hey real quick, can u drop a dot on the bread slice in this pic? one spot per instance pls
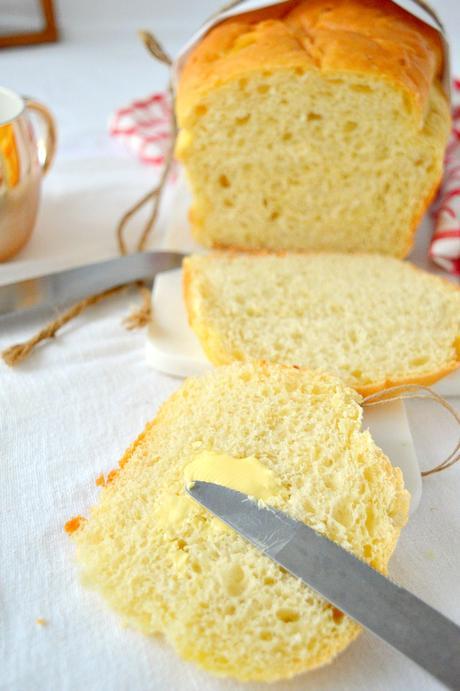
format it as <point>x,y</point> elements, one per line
<point>375,321</point>
<point>313,125</point>
<point>166,565</point>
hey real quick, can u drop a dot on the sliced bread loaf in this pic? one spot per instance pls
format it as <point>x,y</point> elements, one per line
<point>375,321</point>
<point>317,125</point>
<point>168,566</point>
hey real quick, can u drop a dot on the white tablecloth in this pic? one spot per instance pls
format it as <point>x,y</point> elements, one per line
<point>69,412</point>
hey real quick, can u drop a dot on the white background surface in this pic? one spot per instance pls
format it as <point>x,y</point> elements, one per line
<point>70,411</point>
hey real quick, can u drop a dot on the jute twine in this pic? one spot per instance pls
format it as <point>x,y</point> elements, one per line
<point>141,316</point>
<point>398,393</point>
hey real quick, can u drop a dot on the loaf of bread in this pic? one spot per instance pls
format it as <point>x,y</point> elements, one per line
<point>313,125</point>
<point>167,566</point>
<point>374,321</point>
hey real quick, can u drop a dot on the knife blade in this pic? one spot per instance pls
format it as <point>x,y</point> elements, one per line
<point>59,288</point>
<point>392,613</point>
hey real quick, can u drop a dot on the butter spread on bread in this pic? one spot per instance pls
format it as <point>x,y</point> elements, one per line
<point>247,475</point>
<point>219,601</point>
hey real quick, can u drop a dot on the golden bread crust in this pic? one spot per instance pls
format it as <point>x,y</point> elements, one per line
<point>361,36</point>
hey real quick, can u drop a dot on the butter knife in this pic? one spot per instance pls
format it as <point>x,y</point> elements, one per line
<point>395,615</point>
<point>62,287</point>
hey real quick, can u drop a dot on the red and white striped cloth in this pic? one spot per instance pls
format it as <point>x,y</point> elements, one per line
<point>144,126</point>
<point>445,243</point>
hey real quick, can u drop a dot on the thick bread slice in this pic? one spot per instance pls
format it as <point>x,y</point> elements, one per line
<point>313,125</point>
<point>374,321</point>
<point>216,599</point>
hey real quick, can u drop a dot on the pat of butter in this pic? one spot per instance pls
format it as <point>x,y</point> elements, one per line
<point>247,475</point>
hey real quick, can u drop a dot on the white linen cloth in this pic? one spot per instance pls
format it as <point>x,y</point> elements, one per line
<point>68,413</point>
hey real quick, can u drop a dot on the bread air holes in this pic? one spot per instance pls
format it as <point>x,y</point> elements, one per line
<point>349,126</point>
<point>200,110</point>
<point>342,514</point>
<point>263,88</point>
<point>419,361</point>
<point>361,88</point>
<point>234,580</point>
<point>308,506</point>
<point>243,119</point>
<point>287,616</point>
<point>371,522</point>
<point>224,181</point>
<point>266,635</point>
<point>370,474</point>
<point>312,117</point>
<point>195,566</point>
<point>367,551</point>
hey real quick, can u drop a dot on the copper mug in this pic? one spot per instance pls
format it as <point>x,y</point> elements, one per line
<point>24,159</point>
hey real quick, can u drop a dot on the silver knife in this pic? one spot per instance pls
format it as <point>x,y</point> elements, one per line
<point>401,619</point>
<point>62,287</point>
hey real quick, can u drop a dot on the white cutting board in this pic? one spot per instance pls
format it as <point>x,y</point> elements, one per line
<point>173,348</point>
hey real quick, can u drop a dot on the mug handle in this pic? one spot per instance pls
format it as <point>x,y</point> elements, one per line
<point>50,131</point>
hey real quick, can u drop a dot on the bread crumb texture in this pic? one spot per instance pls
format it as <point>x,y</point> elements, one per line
<point>316,125</point>
<point>217,600</point>
<point>374,321</point>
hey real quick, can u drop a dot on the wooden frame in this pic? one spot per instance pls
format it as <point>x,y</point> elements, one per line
<point>48,34</point>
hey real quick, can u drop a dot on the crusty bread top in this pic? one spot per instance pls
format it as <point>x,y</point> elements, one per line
<point>364,36</point>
